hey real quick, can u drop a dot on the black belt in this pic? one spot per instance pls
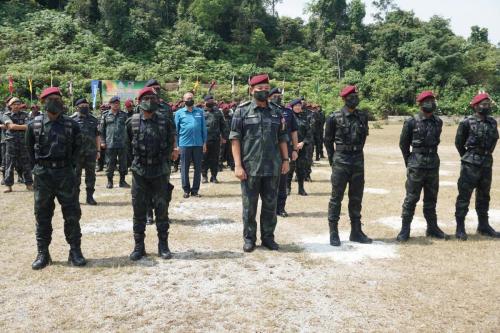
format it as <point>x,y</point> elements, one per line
<point>52,164</point>
<point>479,151</point>
<point>352,148</point>
<point>424,150</point>
<point>148,160</point>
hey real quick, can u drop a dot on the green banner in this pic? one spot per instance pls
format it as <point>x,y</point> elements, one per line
<point>124,89</point>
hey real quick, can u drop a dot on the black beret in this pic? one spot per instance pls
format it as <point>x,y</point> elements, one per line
<point>275,91</point>
<point>295,101</point>
<point>208,97</point>
<point>152,82</point>
<point>114,99</point>
<point>81,101</point>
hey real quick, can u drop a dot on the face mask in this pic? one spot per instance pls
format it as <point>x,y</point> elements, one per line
<point>484,110</point>
<point>210,105</point>
<point>261,96</point>
<point>276,100</point>
<point>352,101</point>
<point>189,103</point>
<point>54,106</point>
<point>149,106</point>
<point>429,107</point>
<point>84,110</point>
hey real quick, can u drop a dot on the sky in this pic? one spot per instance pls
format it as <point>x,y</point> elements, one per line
<point>462,13</point>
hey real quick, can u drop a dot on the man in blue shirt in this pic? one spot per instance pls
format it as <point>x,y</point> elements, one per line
<point>192,142</point>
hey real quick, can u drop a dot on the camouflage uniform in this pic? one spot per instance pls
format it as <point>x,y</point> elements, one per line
<point>225,153</point>
<point>259,131</point>
<point>319,124</point>
<point>305,134</point>
<point>55,149</point>
<point>475,141</point>
<point>113,135</point>
<point>309,149</point>
<point>216,128</point>
<point>423,135</point>
<point>348,131</point>
<point>16,154</point>
<point>89,126</point>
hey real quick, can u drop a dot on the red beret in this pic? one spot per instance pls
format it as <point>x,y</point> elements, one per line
<point>425,94</point>
<point>348,90</point>
<point>146,91</point>
<point>129,102</point>
<point>258,79</point>
<point>479,98</point>
<point>50,91</point>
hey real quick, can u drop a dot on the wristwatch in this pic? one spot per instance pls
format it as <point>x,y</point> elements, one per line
<point>285,160</point>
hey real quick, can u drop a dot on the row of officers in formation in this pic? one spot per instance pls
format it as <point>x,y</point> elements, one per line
<point>267,142</point>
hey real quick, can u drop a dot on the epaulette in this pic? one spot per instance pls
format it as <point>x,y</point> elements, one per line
<point>244,104</point>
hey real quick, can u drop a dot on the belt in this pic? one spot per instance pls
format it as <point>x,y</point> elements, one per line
<point>424,150</point>
<point>352,148</point>
<point>479,151</point>
<point>52,164</point>
<point>148,160</point>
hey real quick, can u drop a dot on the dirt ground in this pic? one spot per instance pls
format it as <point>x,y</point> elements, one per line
<point>211,285</point>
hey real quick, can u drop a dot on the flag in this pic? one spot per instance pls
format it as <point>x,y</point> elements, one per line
<point>196,85</point>
<point>233,87</point>
<point>30,83</point>
<point>179,83</point>
<point>283,89</point>
<point>94,87</point>
<point>70,88</point>
<point>51,79</point>
<point>212,86</point>
<point>11,85</point>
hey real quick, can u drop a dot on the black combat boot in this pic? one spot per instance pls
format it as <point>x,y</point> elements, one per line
<point>460,233</point>
<point>302,192</point>
<point>357,234</point>
<point>404,234</point>
<point>139,248</point>
<point>270,244</point>
<point>484,228</point>
<point>42,258</point>
<point>123,183</point>
<point>249,245</point>
<point>334,233</point>
<point>90,198</point>
<point>75,257</point>
<point>434,231</point>
<point>110,182</point>
<point>163,250</point>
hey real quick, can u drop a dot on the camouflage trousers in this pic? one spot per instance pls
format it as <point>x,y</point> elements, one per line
<point>60,184</point>
<point>343,174</point>
<point>309,149</point>
<point>267,189</point>
<point>473,177</point>
<point>114,156</point>
<point>416,180</point>
<point>299,166</point>
<point>87,163</point>
<point>17,158</point>
<point>147,192</point>
<point>211,159</point>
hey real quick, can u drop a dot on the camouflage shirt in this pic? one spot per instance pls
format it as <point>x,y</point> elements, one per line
<point>476,140</point>
<point>113,131</point>
<point>17,118</point>
<point>89,126</point>
<point>345,137</point>
<point>216,126</point>
<point>260,131</point>
<point>423,135</point>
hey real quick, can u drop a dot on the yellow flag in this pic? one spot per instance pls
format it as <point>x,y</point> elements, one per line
<point>30,82</point>
<point>196,85</point>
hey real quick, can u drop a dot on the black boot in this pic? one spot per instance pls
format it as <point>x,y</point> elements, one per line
<point>404,234</point>
<point>42,258</point>
<point>460,234</point>
<point>302,192</point>
<point>163,250</point>
<point>484,228</point>
<point>110,182</point>
<point>90,198</point>
<point>334,233</point>
<point>270,244</point>
<point>123,183</point>
<point>357,234</point>
<point>139,248</point>
<point>75,257</point>
<point>249,245</point>
<point>434,231</point>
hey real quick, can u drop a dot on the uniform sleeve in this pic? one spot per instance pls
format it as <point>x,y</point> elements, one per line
<point>330,138</point>
<point>222,125</point>
<point>204,130</point>
<point>405,139</point>
<point>6,119</point>
<point>294,127</point>
<point>236,126</point>
<point>30,142</point>
<point>283,132</point>
<point>461,137</point>
<point>128,126</point>
<point>309,137</point>
<point>102,129</point>
<point>493,145</point>
<point>77,143</point>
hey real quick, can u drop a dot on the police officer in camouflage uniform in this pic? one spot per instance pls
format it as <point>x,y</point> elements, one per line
<point>2,139</point>
<point>54,142</point>
<point>311,118</point>
<point>216,130</point>
<point>305,140</point>
<point>319,125</point>
<point>476,138</point>
<point>16,154</point>
<point>113,139</point>
<point>422,133</point>
<point>91,146</point>
<point>259,144</point>
<point>226,154</point>
<point>275,97</point>
<point>150,137</point>
<point>345,136</point>
<point>104,109</point>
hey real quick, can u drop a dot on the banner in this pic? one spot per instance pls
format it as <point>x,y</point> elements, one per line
<point>94,87</point>
<point>124,89</point>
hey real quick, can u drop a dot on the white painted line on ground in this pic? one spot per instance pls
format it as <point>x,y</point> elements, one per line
<point>380,191</point>
<point>107,226</point>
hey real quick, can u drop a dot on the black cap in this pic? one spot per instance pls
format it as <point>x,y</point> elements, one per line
<point>81,101</point>
<point>114,99</point>
<point>295,101</point>
<point>208,97</point>
<point>275,91</point>
<point>152,82</point>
